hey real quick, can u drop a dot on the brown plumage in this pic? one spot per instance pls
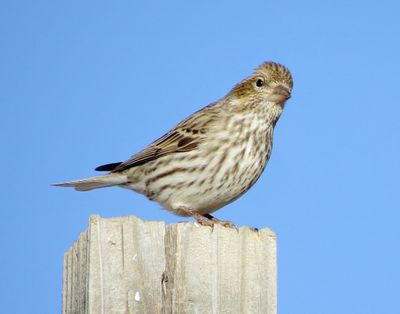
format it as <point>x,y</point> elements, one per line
<point>212,157</point>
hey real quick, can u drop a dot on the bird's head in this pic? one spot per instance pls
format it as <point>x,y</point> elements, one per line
<point>270,82</point>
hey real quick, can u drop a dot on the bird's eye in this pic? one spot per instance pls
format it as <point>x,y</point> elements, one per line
<point>259,82</point>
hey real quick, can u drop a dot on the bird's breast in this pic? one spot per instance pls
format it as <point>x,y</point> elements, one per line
<point>223,167</point>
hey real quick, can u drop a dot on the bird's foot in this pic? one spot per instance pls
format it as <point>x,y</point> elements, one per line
<point>207,219</point>
<point>202,220</point>
<point>224,223</point>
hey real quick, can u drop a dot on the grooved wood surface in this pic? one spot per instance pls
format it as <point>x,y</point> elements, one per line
<point>127,265</point>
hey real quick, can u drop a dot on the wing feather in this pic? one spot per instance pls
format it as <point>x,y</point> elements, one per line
<point>171,142</point>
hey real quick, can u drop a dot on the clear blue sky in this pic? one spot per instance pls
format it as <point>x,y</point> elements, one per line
<point>84,83</point>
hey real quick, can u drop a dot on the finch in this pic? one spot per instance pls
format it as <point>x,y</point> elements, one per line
<point>212,157</point>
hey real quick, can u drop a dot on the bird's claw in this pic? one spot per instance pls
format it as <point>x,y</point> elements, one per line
<point>226,224</point>
<point>205,221</point>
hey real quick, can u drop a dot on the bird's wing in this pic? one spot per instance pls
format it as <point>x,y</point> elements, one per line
<point>174,141</point>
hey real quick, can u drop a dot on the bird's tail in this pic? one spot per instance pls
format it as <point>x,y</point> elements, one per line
<point>95,182</point>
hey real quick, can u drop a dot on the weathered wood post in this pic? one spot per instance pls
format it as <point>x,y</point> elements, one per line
<point>127,265</point>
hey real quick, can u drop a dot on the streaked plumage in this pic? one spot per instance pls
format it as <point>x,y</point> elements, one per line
<point>212,157</point>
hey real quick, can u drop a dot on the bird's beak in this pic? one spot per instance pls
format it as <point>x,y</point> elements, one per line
<point>279,95</point>
<point>281,92</point>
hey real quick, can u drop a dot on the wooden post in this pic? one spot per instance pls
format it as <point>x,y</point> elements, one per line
<point>127,265</point>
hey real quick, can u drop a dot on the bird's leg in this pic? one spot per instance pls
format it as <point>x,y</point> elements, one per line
<point>206,219</point>
<point>202,220</point>
<point>227,224</point>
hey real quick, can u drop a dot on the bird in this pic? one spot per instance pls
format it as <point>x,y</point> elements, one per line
<point>212,157</point>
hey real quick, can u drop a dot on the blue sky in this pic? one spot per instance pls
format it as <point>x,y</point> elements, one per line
<point>90,82</point>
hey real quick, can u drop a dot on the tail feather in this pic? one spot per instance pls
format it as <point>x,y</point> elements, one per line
<point>95,182</point>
